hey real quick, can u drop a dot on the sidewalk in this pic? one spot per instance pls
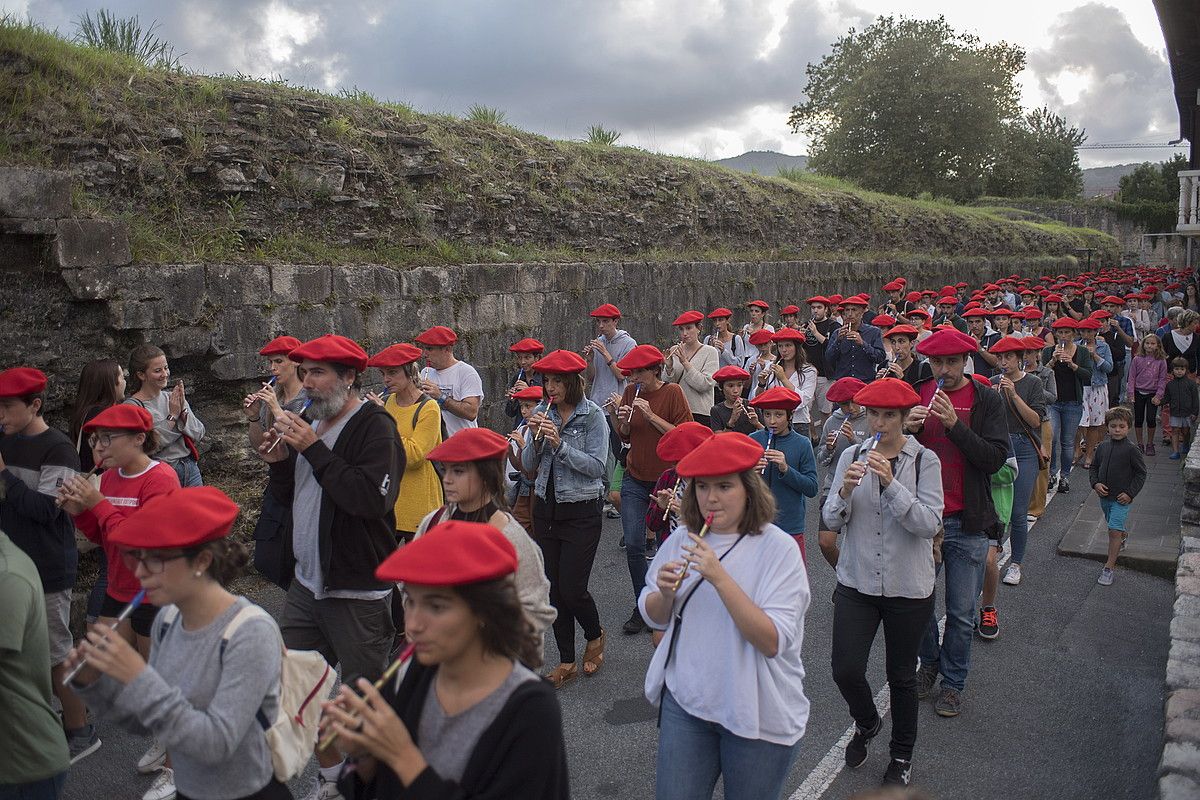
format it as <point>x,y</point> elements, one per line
<point>1153,522</point>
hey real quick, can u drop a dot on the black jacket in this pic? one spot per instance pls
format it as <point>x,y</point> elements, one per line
<point>1119,465</point>
<point>1181,397</point>
<point>520,756</point>
<point>985,447</point>
<point>359,478</point>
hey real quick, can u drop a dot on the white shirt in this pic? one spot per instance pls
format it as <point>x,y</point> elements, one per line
<point>715,673</point>
<point>804,383</point>
<point>457,382</point>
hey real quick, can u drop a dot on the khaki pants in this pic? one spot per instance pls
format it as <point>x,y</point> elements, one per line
<point>1037,502</point>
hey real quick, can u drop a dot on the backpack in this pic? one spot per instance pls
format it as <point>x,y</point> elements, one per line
<point>417,413</point>
<point>305,679</point>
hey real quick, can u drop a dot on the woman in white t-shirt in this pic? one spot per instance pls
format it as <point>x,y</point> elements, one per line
<point>731,599</point>
<point>793,370</point>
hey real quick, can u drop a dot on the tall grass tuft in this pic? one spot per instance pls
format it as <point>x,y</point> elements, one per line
<point>486,115</point>
<point>598,134</point>
<point>107,31</point>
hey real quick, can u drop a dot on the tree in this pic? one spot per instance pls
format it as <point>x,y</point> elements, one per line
<point>1154,183</point>
<point>1038,158</point>
<point>910,106</point>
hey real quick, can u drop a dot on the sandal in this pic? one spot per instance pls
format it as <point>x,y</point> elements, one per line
<point>563,674</point>
<point>593,654</point>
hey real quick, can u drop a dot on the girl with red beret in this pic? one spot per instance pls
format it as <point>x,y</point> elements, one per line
<point>691,364</point>
<point>758,321</point>
<point>760,365</point>
<point>473,483</point>
<point>214,664</point>
<point>648,409</point>
<point>792,370</point>
<point>887,500</point>
<point>733,413</point>
<point>520,490</point>
<point>568,457</point>
<point>730,347</point>
<point>730,593</point>
<point>469,717</point>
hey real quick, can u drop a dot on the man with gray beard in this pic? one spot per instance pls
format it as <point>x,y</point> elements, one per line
<point>340,473</point>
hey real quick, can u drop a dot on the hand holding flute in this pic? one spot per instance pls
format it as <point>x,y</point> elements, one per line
<point>344,710</point>
<point>292,425</point>
<point>99,641</point>
<point>693,549</point>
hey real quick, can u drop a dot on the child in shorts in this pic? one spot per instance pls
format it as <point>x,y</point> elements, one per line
<point>1118,473</point>
<point>1183,399</point>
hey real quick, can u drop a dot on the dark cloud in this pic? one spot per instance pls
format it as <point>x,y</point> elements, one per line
<point>1127,96</point>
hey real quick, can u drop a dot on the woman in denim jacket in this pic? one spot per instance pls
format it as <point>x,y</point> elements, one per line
<point>567,452</point>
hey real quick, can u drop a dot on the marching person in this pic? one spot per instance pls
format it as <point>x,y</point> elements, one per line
<point>469,718</point>
<point>788,465</point>
<point>261,408</point>
<point>691,364</point>
<point>1095,393</point>
<point>668,491</point>
<point>887,498</point>
<point>525,352</point>
<point>648,409</point>
<point>733,413</point>
<point>758,321</point>
<point>520,488</point>
<point>903,363</point>
<point>611,344</point>
<point>567,456</point>
<point>215,660</point>
<point>472,462</point>
<point>178,429</point>
<point>340,474</point>
<point>731,348</point>
<point>856,348</point>
<point>454,385</point>
<point>816,334</point>
<point>1034,366</point>
<point>847,426</point>
<point>963,422</point>
<point>1072,367</point>
<point>761,367</point>
<point>730,687</point>
<point>793,371</point>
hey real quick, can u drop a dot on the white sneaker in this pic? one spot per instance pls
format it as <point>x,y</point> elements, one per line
<point>1012,575</point>
<point>324,790</point>
<point>1106,577</point>
<point>154,759</point>
<point>163,787</point>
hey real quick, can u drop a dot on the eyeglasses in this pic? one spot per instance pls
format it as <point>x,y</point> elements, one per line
<point>104,439</point>
<point>153,562</point>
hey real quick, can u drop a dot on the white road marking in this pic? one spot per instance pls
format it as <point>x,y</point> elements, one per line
<point>833,762</point>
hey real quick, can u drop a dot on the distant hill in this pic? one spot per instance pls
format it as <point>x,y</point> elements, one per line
<point>1105,180</point>
<point>763,162</point>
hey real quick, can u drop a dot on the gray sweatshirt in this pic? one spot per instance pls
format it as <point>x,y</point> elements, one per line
<point>171,446</point>
<point>202,706</point>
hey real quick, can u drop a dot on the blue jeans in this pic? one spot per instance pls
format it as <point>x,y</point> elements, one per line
<point>45,789</point>
<point>1027,473</point>
<point>693,752</point>
<point>963,555</point>
<point>635,500</point>
<point>1064,422</point>
<point>189,471</point>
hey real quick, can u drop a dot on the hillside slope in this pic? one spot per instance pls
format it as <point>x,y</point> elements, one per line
<point>763,162</point>
<point>216,168</point>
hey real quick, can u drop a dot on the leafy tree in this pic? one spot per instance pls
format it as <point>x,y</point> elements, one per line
<point>910,106</point>
<point>1037,158</point>
<point>1156,183</point>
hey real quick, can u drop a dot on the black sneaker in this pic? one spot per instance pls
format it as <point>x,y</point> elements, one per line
<point>949,703</point>
<point>1064,486</point>
<point>635,624</point>
<point>926,678</point>
<point>621,542</point>
<point>856,750</point>
<point>899,773</point>
<point>988,626</point>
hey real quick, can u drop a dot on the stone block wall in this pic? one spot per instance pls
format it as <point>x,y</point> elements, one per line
<point>1179,771</point>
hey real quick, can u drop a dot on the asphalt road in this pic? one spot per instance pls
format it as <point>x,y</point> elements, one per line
<point>1066,703</point>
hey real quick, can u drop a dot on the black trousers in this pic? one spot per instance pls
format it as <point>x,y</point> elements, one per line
<point>856,618</point>
<point>1145,412</point>
<point>569,549</point>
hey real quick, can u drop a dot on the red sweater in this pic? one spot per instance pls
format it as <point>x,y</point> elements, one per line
<point>123,495</point>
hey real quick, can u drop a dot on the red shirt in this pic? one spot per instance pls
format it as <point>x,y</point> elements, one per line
<point>123,495</point>
<point>934,437</point>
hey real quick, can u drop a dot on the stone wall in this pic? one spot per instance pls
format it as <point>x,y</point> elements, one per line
<point>1152,250</point>
<point>1180,768</point>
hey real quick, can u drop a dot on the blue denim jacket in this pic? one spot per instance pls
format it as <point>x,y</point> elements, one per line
<point>1103,365</point>
<point>579,460</point>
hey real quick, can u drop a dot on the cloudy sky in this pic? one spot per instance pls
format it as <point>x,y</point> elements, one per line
<point>707,78</point>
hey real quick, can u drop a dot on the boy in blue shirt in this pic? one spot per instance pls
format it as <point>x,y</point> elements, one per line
<point>788,465</point>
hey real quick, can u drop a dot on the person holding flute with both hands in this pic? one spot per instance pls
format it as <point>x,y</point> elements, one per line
<point>692,364</point>
<point>788,464</point>
<point>886,498</point>
<point>730,593</point>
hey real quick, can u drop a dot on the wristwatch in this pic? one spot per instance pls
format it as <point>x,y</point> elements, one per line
<point>170,417</point>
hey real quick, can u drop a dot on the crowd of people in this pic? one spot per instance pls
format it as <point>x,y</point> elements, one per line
<point>425,557</point>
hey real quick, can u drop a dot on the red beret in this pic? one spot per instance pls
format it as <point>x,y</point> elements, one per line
<point>763,304</point>
<point>1032,313</point>
<point>1064,322</point>
<point>843,389</point>
<point>976,312</point>
<point>883,321</point>
<point>529,393</point>
<point>560,362</point>
<point>689,318</point>
<point>1112,298</point>
<point>856,300</point>
<point>644,356</point>
<point>947,343</point>
<point>888,393</point>
<point>1088,324</point>
<point>452,553</point>
<point>121,417</point>
<point>834,299</point>
<point>960,285</point>
<point>731,373</point>
<point>1034,343</point>
<point>901,330</point>
<point>280,346</point>
<point>437,336</point>
<point>1002,311</point>
<point>760,336</point>
<point>333,349</point>
<point>1008,344</point>
<point>22,382</point>
<point>720,313</point>
<point>1027,290</point>
<point>991,287</point>
<point>779,397</point>
<point>723,453</point>
<point>918,312</point>
<point>470,444</point>
<point>396,355</point>
<point>787,335</point>
<point>1053,298</point>
<point>1101,314</point>
<point>818,298</point>
<point>894,286</point>
<point>913,297</point>
<point>179,518</point>
<point>790,310</point>
<point>527,345</point>
<point>681,440</point>
<point>984,379</point>
<point>606,311</point>
<point>947,300</point>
